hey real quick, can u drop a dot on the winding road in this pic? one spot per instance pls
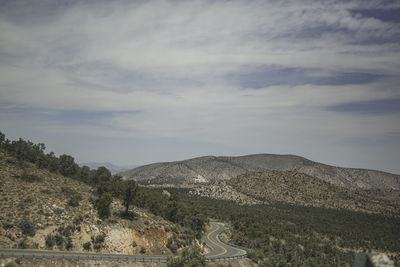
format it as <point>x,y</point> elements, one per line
<point>218,248</point>
<point>219,251</point>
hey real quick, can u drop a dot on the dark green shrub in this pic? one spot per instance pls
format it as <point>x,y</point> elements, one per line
<point>30,178</point>
<point>22,244</point>
<point>99,239</point>
<point>87,246</point>
<point>49,241</point>
<point>96,246</point>
<point>103,205</point>
<point>27,227</point>
<point>59,239</point>
<point>69,245</point>
<point>74,201</point>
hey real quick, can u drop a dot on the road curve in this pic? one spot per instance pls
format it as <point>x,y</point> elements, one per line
<point>218,248</point>
<point>219,251</point>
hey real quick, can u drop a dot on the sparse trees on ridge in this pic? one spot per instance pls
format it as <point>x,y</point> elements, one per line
<point>68,167</point>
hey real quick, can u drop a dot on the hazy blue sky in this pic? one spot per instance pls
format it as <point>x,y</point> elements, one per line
<point>135,82</point>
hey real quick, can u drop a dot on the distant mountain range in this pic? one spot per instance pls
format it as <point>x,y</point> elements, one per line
<point>114,169</point>
<point>211,169</point>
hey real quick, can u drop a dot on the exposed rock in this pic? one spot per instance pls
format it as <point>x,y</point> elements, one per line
<point>381,260</point>
<point>165,192</point>
<point>220,190</point>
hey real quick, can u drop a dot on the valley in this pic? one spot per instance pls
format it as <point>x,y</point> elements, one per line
<point>285,209</point>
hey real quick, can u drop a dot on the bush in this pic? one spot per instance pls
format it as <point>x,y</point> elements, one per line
<point>96,246</point>
<point>134,244</point>
<point>22,244</point>
<point>87,246</point>
<point>99,239</point>
<point>30,178</point>
<point>174,248</point>
<point>27,227</point>
<point>59,240</point>
<point>74,201</point>
<point>49,241</point>
<point>142,250</point>
<point>67,231</point>
<point>78,219</point>
<point>69,244</point>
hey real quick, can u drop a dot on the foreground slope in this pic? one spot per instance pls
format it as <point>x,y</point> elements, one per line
<point>209,169</point>
<point>43,210</point>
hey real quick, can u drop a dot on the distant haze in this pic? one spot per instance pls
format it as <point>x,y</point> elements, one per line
<point>114,169</point>
<point>136,82</point>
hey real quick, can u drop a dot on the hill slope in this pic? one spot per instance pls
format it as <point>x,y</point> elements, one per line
<point>209,169</point>
<point>302,189</point>
<point>37,211</point>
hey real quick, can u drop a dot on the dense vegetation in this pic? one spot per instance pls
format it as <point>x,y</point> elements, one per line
<point>282,234</point>
<point>107,186</point>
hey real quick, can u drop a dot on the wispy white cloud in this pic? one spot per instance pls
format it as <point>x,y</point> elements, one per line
<point>186,70</point>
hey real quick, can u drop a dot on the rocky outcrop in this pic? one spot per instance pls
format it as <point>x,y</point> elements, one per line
<point>220,190</point>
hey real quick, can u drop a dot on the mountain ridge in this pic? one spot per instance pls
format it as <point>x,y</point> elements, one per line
<point>113,168</point>
<point>207,169</point>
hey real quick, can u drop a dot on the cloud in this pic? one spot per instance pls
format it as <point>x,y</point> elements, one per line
<point>185,72</point>
<point>373,107</point>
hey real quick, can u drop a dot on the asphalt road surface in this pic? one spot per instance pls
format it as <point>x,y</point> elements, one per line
<point>219,251</point>
<point>218,248</point>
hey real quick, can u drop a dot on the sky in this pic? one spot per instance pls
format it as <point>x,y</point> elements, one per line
<point>136,82</point>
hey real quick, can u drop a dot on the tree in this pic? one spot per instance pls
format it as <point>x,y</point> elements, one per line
<point>27,227</point>
<point>172,209</point>
<point>129,194</point>
<point>52,162</point>
<point>2,139</point>
<point>103,205</point>
<point>68,167</point>
<point>84,174</point>
<point>101,178</point>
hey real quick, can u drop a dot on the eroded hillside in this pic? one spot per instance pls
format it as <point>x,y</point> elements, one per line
<point>40,209</point>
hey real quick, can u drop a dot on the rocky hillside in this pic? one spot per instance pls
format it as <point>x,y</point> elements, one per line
<point>44,210</point>
<point>210,169</point>
<point>302,189</point>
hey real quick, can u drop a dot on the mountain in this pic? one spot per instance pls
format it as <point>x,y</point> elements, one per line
<point>210,169</point>
<point>114,169</point>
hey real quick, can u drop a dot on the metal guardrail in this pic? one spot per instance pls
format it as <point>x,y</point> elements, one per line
<point>226,258</point>
<point>113,257</point>
<point>108,258</point>
<point>85,257</point>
